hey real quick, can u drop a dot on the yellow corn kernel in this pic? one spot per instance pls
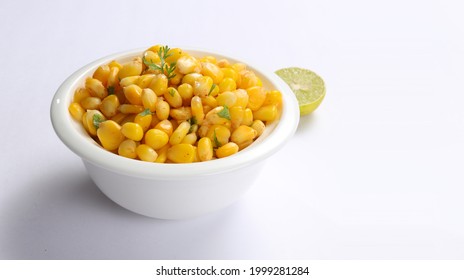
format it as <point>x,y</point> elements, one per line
<point>96,88</point>
<point>191,78</point>
<point>131,68</point>
<point>217,116</point>
<point>231,73</point>
<point>176,79</point>
<point>132,131</point>
<point>151,57</point>
<point>146,153</point>
<point>80,94</point>
<point>266,113</point>
<point>133,94</point>
<point>91,103</point>
<point>113,78</point>
<point>190,138</point>
<point>91,120</point>
<point>236,116</point>
<point>145,80</point>
<point>130,108</point>
<point>259,126</point>
<point>156,138</point>
<point>76,111</point>
<point>163,154</point>
<point>166,126</point>
<point>179,133</point>
<point>256,95</point>
<point>273,97</point>
<point>119,118</point>
<point>227,98</point>
<point>127,148</point>
<point>239,67</point>
<point>162,109</point>
<point>197,109</point>
<point>188,64</point>
<point>203,130</point>
<point>219,135</point>
<point>173,55</point>
<point>195,155</point>
<point>127,81</point>
<point>208,58</point>
<point>227,84</point>
<point>212,70</point>
<point>102,73</point>
<point>109,106</point>
<point>181,114</point>
<point>128,118</point>
<point>173,97</point>
<point>203,86</point>
<point>181,153</point>
<point>159,84</point>
<point>242,98</point>
<point>149,99</point>
<point>243,134</point>
<point>209,101</point>
<point>245,144</point>
<point>109,134</point>
<point>186,92</point>
<point>247,117</point>
<point>221,63</point>
<point>227,150</point>
<point>248,79</point>
<point>205,149</point>
<point>114,63</point>
<point>144,119</point>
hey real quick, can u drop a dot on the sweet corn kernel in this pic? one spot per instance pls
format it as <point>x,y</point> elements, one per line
<point>131,68</point>
<point>133,94</point>
<point>149,99</point>
<point>162,109</point>
<point>205,149</point>
<point>236,116</point>
<point>109,106</point>
<point>166,126</point>
<point>179,133</point>
<point>257,95</point>
<point>80,94</point>
<point>163,154</point>
<point>146,153</point>
<point>227,150</point>
<point>259,126</point>
<point>173,97</point>
<point>96,88</point>
<point>127,149</point>
<point>181,114</point>
<point>227,84</point>
<point>109,134</point>
<point>273,97</point>
<point>181,153</point>
<point>219,135</point>
<point>248,79</point>
<point>131,80</point>
<point>186,92</point>
<point>90,103</point>
<point>102,74</point>
<point>243,134</point>
<point>144,119</point>
<point>242,98</point>
<point>130,108</point>
<point>191,78</point>
<point>212,70</point>
<point>76,111</point>
<point>227,98</point>
<point>203,86</point>
<point>156,138</point>
<point>266,113</point>
<point>197,109</point>
<point>190,138</point>
<point>159,84</point>
<point>132,131</point>
<point>188,64</point>
<point>247,117</point>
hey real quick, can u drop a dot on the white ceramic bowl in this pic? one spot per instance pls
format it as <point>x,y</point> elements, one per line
<point>172,191</point>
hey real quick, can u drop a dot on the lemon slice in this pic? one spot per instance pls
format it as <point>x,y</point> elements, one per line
<point>308,87</point>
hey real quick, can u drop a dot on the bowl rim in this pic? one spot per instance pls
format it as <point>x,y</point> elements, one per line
<point>86,148</point>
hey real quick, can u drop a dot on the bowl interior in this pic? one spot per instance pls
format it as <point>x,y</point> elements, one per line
<point>76,138</point>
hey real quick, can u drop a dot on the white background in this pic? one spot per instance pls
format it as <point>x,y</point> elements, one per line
<point>374,173</point>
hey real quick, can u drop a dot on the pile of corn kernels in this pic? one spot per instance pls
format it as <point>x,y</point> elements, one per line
<point>167,106</point>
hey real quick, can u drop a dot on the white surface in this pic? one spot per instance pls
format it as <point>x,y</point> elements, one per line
<point>375,173</point>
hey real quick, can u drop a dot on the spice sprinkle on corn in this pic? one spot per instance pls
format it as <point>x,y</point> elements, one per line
<point>167,106</point>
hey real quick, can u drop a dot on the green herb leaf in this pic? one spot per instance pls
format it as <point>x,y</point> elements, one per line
<point>110,90</point>
<point>171,92</point>
<point>145,112</point>
<point>212,88</point>
<point>163,67</point>
<point>192,120</point>
<point>224,113</point>
<point>216,141</point>
<point>97,119</point>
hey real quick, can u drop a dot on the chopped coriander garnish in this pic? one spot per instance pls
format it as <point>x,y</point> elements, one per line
<point>97,119</point>
<point>110,90</point>
<point>145,112</point>
<point>192,120</point>
<point>171,92</point>
<point>211,89</point>
<point>216,141</point>
<point>224,113</point>
<point>163,67</point>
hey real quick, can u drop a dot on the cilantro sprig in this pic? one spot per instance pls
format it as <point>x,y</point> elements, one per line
<point>164,67</point>
<point>224,113</point>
